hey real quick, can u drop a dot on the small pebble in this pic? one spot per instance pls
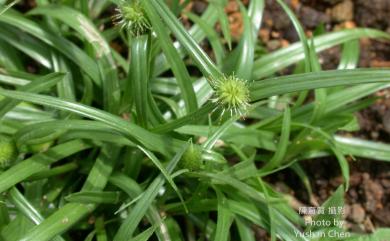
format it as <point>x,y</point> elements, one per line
<point>342,11</point>
<point>357,213</point>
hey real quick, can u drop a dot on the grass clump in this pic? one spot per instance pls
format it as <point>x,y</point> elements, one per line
<point>115,112</point>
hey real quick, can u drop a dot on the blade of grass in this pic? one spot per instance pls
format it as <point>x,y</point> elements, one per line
<point>39,162</point>
<point>244,230</point>
<point>39,85</point>
<point>212,37</point>
<point>128,227</point>
<point>224,219</point>
<point>163,144</point>
<point>305,44</point>
<point>58,170</point>
<point>137,83</point>
<point>239,185</point>
<point>69,214</point>
<point>26,44</point>
<point>9,57</point>
<point>211,16</point>
<point>363,148</point>
<point>94,197</point>
<point>187,119</point>
<point>350,55</point>
<point>255,11</point>
<point>205,65</point>
<point>320,94</point>
<point>173,58</point>
<point>65,88</point>
<point>283,144</point>
<point>301,34</point>
<point>101,234</point>
<point>343,165</point>
<point>164,171</point>
<point>277,60</point>
<point>208,145</point>
<point>134,191</point>
<point>324,79</point>
<point>64,46</point>
<point>244,64</point>
<point>28,210</point>
<point>223,20</point>
<point>77,21</point>
<point>145,235</point>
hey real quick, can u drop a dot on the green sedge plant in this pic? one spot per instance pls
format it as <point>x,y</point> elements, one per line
<point>156,139</point>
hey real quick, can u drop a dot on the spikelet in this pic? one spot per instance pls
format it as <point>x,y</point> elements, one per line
<point>231,95</point>
<point>132,17</point>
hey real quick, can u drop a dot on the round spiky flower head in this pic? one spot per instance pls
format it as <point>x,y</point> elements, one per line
<point>231,94</point>
<point>131,16</point>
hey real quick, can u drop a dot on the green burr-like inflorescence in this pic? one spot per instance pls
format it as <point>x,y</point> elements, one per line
<point>192,158</point>
<point>8,151</point>
<point>232,94</point>
<point>132,17</point>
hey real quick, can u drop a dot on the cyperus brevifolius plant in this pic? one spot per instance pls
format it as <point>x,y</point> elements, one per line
<point>122,138</point>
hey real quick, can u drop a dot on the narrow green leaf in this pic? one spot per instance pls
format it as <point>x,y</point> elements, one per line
<point>62,45</point>
<point>164,171</point>
<point>173,58</point>
<point>203,62</point>
<point>137,86</point>
<point>335,201</point>
<point>245,231</point>
<point>77,21</point>
<point>58,170</point>
<point>39,85</point>
<point>301,33</point>
<point>96,197</point>
<point>28,210</point>
<point>246,48</point>
<point>155,142</point>
<point>208,145</point>
<point>283,144</point>
<point>133,189</point>
<point>25,43</point>
<point>145,235</point>
<point>224,219</point>
<point>324,79</point>
<point>128,227</point>
<point>211,16</point>
<point>363,148</point>
<point>277,60</point>
<point>223,20</point>
<point>69,214</point>
<point>38,162</point>
<point>350,55</point>
<point>211,34</point>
